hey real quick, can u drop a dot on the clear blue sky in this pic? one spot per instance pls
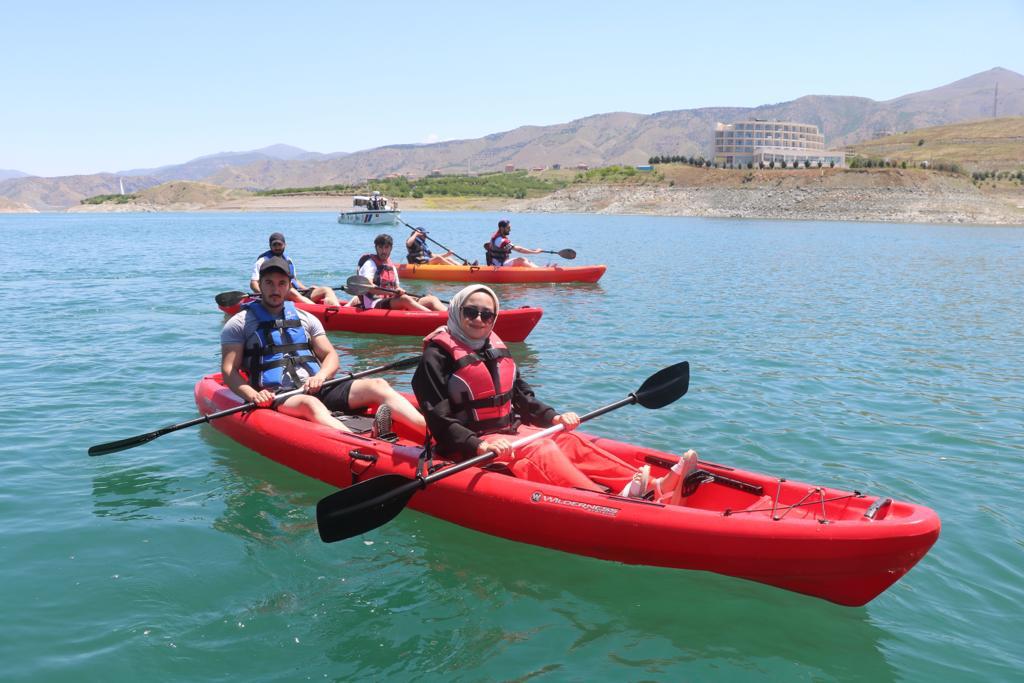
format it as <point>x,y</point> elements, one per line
<point>90,87</point>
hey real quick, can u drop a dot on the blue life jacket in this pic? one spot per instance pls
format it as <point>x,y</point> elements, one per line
<point>291,266</point>
<point>283,347</point>
<point>419,252</point>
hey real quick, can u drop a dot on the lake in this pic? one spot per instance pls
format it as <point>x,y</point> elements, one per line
<point>885,358</point>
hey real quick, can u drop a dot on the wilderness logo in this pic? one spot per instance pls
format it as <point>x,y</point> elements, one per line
<point>539,497</point>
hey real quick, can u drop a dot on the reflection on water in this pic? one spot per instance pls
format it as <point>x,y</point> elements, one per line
<point>127,494</point>
<point>263,501</point>
<point>648,622</point>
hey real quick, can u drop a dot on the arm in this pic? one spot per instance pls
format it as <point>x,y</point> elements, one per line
<point>410,240</point>
<point>430,384</point>
<point>328,357</point>
<point>526,250</point>
<point>230,364</point>
<point>530,409</point>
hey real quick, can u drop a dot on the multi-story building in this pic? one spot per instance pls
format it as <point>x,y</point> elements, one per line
<point>759,141</point>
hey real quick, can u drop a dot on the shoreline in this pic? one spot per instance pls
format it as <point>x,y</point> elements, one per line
<point>880,196</point>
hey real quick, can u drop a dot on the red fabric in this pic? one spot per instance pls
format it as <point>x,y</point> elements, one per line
<point>567,459</point>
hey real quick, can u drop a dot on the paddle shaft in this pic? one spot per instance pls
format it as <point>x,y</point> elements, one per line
<point>131,442</point>
<point>354,288</point>
<point>519,443</point>
<point>414,229</point>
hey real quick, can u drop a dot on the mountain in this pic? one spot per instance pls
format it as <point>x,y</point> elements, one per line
<point>602,139</point>
<point>6,173</point>
<point>206,166</point>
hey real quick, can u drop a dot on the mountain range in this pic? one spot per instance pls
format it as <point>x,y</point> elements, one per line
<point>601,139</point>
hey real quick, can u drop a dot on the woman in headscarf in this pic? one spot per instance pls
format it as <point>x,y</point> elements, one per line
<point>475,402</point>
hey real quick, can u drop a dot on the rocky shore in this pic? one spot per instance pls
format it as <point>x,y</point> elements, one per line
<point>899,196</point>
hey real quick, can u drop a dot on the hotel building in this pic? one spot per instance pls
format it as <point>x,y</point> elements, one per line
<point>757,141</point>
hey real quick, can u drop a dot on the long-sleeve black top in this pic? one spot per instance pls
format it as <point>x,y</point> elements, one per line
<point>455,440</point>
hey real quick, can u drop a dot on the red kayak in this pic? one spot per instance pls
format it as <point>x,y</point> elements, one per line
<point>842,546</point>
<point>514,324</point>
<point>503,274</point>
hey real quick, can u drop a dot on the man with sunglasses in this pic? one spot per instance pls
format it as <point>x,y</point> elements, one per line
<point>499,249</point>
<point>379,269</point>
<point>299,292</point>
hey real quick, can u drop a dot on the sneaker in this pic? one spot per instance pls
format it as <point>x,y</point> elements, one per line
<point>381,422</point>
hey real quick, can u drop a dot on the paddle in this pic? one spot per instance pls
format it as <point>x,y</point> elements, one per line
<point>414,229</point>
<point>359,285</point>
<point>564,253</point>
<point>374,502</point>
<point>132,442</point>
<point>229,299</point>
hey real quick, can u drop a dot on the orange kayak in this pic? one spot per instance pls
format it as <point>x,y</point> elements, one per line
<point>503,274</point>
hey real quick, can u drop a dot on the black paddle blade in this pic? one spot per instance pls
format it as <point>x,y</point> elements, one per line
<point>123,444</point>
<point>665,386</point>
<point>229,299</point>
<point>363,506</point>
<point>357,284</point>
<point>567,253</point>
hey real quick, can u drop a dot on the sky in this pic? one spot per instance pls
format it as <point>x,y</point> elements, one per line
<point>91,87</point>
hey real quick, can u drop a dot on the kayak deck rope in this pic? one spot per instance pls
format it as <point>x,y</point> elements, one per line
<point>784,509</point>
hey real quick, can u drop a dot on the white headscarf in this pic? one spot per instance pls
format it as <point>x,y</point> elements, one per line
<point>455,327</point>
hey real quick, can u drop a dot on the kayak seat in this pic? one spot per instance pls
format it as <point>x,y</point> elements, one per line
<point>357,423</point>
<point>499,467</point>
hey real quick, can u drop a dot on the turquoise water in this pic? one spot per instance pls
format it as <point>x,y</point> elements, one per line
<point>880,357</point>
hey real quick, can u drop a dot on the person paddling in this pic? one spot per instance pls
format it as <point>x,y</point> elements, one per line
<point>499,249</point>
<point>418,253</point>
<point>298,291</point>
<point>280,347</point>
<point>379,269</point>
<point>475,402</point>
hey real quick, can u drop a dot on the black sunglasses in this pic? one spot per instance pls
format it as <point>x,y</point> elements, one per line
<point>472,312</point>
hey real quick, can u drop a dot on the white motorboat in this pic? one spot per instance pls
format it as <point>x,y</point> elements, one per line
<point>375,209</point>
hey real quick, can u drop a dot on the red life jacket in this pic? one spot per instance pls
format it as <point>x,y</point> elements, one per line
<point>480,396</point>
<point>496,256</point>
<point>386,275</point>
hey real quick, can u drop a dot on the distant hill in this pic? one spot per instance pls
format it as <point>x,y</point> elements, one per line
<point>603,139</point>
<point>990,145</point>
<point>206,166</point>
<point>6,173</point>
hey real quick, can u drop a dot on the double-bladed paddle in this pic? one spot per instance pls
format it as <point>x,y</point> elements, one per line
<point>415,229</point>
<point>132,442</point>
<point>371,503</point>
<point>359,285</point>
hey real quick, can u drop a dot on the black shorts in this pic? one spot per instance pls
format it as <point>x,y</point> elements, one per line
<point>384,304</point>
<point>308,292</point>
<point>336,397</point>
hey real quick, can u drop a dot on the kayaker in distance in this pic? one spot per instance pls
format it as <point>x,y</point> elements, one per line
<point>248,343</point>
<point>500,248</point>
<point>299,292</point>
<point>379,269</point>
<point>418,253</point>
<point>475,402</point>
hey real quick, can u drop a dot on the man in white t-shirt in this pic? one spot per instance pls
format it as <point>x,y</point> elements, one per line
<point>381,271</point>
<point>299,292</point>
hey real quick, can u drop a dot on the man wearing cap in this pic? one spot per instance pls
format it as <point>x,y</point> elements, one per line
<point>500,248</point>
<point>299,291</point>
<point>280,347</point>
<point>417,251</point>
